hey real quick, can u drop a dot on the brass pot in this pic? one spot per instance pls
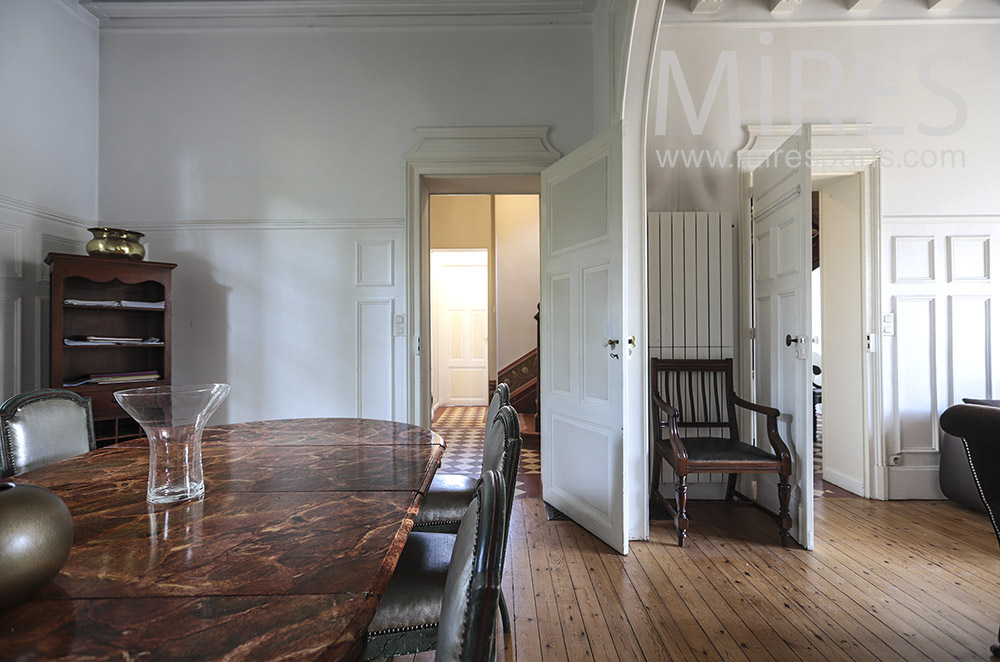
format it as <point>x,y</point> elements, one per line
<point>36,533</point>
<point>112,242</point>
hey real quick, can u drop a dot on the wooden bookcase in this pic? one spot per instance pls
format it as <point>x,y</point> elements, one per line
<point>111,279</point>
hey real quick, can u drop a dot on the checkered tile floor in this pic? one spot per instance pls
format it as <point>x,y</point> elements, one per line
<point>462,429</point>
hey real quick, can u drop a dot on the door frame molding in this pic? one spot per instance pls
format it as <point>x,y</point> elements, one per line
<point>452,152</point>
<point>842,149</point>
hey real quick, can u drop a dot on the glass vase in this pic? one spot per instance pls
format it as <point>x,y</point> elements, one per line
<point>173,418</point>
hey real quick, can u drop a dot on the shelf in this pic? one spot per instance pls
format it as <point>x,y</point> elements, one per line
<point>76,306</point>
<point>123,346</point>
<point>88,279</point>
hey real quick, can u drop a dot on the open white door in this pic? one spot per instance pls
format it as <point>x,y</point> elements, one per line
<point>782,267</point>
<point>583,455</point>
<point>459,282</point>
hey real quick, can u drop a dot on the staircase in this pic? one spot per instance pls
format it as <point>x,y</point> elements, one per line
<point>522,378</point>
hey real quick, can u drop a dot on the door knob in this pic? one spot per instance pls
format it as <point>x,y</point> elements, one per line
<point>611,343</point>
<point>789,340</point>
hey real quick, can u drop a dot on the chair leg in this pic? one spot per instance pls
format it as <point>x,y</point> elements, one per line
<point>784,518</point>
<point>680,518</point>
<point>657,470</point>
<point>731,488</point>
<point>995,648</point>
<point>504,615</point>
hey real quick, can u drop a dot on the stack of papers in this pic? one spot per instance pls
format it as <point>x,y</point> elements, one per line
<point>151,305</point>
<point>90,302</point>
<point>116,378</point>
<point>124,303</point>
<point>110,340</point>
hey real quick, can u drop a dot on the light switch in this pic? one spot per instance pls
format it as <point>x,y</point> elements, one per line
<point>399,325</point>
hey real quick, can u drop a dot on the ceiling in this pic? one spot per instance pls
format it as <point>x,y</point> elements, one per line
<point>148,13</point>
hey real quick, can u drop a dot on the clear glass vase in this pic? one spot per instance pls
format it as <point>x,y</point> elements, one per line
<point>173,418</point>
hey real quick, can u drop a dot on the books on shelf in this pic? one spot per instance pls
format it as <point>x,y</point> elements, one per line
<point>113,303</point>
<point>94,341</point>
<point>116,378</point>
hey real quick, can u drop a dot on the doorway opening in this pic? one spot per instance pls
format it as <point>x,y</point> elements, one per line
<point>484,286</point>
<point>484,294</point>
<point>839,338</point>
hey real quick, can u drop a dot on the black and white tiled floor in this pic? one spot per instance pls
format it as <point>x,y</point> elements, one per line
<point>462,429</point>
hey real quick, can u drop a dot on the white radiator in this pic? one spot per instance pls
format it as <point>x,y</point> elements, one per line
<point>692,261</point>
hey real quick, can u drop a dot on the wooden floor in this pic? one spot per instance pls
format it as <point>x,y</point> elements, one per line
<point>887,581</point>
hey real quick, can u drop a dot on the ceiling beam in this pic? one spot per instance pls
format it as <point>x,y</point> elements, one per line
<point>705,6</point>
<point>784,6</point>
<point>861,5</point>
<point>942,5</point>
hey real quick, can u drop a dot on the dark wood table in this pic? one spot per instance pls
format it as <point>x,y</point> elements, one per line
<point>285,557</point>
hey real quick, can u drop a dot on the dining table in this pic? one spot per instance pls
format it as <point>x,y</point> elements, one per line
<point>285,556</point>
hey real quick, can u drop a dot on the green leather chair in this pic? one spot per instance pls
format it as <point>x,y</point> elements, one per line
<point>444,592</point>
<point>41,427</point>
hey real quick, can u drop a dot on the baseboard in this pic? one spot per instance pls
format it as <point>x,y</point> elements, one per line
<point>914,483</point>
<point>844,481</point>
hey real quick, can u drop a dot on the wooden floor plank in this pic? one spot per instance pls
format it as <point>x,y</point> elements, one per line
<point>550,632</point>
<point>887,581</point>
<point>925,596</point>
<point>526,645</point>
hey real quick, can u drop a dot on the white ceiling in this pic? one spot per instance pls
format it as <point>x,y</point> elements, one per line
<point>147,13</point>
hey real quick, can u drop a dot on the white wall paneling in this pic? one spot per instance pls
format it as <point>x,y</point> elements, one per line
<point>939,332</point>
<point>375,358</point>
<point>294,318</point>
<point>11,358</point>
<point>375,263</point>
<point>27,234</point>
<point>691,308</point>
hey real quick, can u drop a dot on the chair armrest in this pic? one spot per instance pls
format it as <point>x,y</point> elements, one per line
<point>773,436</point>
<point>676,444</point>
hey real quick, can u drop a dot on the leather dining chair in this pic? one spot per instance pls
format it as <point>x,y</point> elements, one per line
<point>41,427</point>
<point>408,617</point>
<point>449,494</point>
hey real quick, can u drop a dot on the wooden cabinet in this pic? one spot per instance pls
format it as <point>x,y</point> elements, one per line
<point>110,330</point>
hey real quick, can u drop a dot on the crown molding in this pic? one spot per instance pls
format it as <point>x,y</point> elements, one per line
<point>31,209</point>
<point>509,144</point>
<point>79,13</point>
<point>266,224</point>
<point>144,14</point>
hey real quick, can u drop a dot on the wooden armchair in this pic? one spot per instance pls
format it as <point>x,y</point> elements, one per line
<point>693,427</point>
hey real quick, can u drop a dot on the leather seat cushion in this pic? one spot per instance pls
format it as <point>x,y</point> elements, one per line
<point>446,500</point>
<point>702,449</point>
<point>416,590</point>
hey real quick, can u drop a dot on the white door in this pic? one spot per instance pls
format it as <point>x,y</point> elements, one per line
<point>583,458</point>
<point>782,269</point>
<point>459,296</point>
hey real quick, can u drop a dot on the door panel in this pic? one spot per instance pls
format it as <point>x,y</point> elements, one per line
<point>781,231</point>
<point>583,454</point>
<point>459,319</point>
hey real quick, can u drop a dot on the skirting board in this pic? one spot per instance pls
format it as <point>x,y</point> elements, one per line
<point>914,483</point>
<point>852,485</point>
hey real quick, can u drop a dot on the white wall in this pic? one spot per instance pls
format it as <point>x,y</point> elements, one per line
<point>293,129</point>
<point>928,87</point>
<point>516,221</point>
<point>908,77</point>
<point>48,169</point>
